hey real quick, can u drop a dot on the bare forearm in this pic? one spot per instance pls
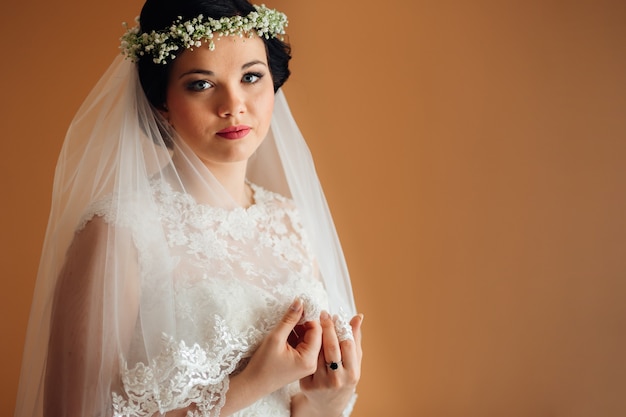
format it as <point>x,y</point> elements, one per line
<point>302,407</point>
<point>241,394</point>
<point>243,391</point>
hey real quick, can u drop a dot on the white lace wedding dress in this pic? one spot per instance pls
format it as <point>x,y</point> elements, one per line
<point>232,275</point>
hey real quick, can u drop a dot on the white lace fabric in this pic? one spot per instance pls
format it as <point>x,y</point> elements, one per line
<point>225,300</point>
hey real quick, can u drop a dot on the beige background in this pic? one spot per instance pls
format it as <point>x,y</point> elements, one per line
<point>472,153</point>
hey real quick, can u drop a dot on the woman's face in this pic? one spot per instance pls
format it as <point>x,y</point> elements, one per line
<point>220,102</point>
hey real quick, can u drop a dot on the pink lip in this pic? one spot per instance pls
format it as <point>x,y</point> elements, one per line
<point>234,132</point>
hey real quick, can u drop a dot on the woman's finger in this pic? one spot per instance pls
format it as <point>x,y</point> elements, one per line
<point>308,340</point>
<point>290,319</point>
<point>356,323</point>
<point>351,348</point>
<point>330,343</point>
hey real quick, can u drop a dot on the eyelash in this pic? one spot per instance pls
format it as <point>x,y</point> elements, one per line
<point>258,76</point>
<point>202,85</point>
<point>196,85</point>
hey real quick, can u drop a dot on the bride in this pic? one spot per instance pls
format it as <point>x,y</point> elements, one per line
<point>191,266</point>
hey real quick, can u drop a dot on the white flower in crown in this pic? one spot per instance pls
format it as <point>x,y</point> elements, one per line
<point>266,23</point>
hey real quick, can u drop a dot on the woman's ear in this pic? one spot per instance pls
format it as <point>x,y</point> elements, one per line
<point>164,111</point>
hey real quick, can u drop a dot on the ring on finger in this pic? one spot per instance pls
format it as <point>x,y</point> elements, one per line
<point>333,366</point>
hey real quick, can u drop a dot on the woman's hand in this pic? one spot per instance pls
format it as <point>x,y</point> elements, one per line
<point>277,362</point>
<point>328,391</point>
<point>285,362</point>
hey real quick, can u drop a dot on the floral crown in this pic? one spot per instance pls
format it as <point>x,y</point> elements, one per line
<point>162,45</point>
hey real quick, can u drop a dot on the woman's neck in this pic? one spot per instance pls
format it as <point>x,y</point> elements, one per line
<point>231,177</point>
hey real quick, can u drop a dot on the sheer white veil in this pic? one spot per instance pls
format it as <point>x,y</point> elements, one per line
<point>113,154</point>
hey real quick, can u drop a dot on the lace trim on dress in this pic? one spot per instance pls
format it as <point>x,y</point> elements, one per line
<point>181,375</point>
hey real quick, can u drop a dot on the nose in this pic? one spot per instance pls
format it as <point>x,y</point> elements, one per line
<point>231,102</point>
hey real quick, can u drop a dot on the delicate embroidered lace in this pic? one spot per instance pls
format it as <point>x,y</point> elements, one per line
<point>235,272</point>
<point>343,327</point>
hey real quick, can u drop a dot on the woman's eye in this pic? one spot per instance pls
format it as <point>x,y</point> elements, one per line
<point>251,78</point>
<point>199,85</point>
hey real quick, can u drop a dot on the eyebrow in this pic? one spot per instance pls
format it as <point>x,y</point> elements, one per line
<point>252,63</point>
<point>208,72</point>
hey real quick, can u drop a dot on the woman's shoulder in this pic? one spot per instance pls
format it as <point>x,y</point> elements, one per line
<point>98,212</point>
<point>116,210</point>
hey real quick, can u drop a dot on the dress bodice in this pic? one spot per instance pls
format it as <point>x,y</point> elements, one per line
<point>225,279</point>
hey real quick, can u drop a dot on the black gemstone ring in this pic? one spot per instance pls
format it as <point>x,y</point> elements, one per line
<point>333,365</point>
